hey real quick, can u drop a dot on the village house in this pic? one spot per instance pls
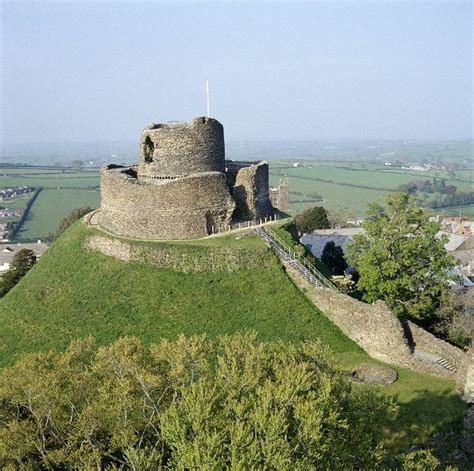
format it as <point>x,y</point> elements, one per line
<point>458,245</point>
<point>8,251</point>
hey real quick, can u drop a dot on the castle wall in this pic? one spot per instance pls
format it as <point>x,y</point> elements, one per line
<point>381,334</point>
<point>280,197</point>
<point>427,342</point>
<point>182,258</point>
<point>465,380</point>
<point>249,187</point>
<point>185,208</point>
<point>179,149</point>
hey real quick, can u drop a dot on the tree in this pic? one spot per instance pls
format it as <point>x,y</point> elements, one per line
<point>192,403</point>
<point>21,262</point>
<point>78,165</point>
<point>333,258</point>
<point>400,258</point>
<point>69,219</point>
<point>454,319</point>
<point>311,219</point>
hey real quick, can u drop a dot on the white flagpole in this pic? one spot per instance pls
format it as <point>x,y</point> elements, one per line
<point>207,97</point>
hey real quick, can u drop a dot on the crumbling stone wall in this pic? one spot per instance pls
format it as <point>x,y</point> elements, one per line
<point>371,326</point>
<point>280,196</point>
<point>378,331</point>
<point>427,342</point>
<point>465,379</point>
<point>183,208</point>
<point>180,188</point>
<point>178,149</point>
<point>182,258</point>
<point>248,182</point>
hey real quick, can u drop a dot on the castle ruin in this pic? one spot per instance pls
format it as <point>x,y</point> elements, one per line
<point>182,187</point>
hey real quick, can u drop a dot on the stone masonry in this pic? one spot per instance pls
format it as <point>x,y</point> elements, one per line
<point>182,187</point>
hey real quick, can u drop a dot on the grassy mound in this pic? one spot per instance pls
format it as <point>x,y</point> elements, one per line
<point>73,292</point>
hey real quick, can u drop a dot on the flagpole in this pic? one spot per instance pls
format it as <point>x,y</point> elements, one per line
<point>207,99</point>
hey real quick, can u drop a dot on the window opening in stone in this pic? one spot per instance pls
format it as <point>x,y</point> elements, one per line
<point>148,149</point>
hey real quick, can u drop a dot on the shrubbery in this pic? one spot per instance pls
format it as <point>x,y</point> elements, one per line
<point>69,219</point>
<point>312,219</point>
<point>188,404</point>
<point>22,261</point>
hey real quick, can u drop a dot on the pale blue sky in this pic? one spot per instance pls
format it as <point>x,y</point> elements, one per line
<point>93,71</point>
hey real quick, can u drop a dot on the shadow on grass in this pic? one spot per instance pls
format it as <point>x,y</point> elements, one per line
<point>424,415</point>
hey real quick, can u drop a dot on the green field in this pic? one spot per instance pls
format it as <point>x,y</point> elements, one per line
<point>352,185</point>
<point>48,178</point>
<point>61,192</point>
<point>72,293</point>
<point>50,207</point>
<point>340,185</point>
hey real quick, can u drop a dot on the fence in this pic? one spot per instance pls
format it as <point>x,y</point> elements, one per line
<point>287,254</point>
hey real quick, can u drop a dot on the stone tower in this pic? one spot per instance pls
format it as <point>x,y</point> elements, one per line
<point>182,187</point>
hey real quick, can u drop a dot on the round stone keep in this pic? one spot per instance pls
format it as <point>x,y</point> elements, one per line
<point>174,150</point>
<point>374,373</point>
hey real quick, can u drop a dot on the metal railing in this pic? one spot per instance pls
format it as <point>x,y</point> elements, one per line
<point>301,263</point>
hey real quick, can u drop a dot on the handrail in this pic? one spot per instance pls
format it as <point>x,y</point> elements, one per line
<point>269,234</point>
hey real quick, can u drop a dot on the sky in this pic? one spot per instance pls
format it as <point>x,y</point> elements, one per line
<point>101,71</point>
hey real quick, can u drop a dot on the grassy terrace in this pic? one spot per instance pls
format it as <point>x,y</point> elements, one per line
<point>73,293</point>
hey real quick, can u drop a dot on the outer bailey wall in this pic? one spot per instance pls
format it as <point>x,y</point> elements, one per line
<point>431,344</point>
<point>182,258</point>
<point>250,189</point>
<point>184,208</point>
<point>373,327</point>
<point>380,333</point>
<point>465,380</point>
<point>182,149</point>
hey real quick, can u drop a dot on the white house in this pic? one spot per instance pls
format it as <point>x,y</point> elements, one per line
<point>8,251</point>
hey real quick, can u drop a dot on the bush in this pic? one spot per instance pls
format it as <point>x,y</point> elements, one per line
<point>454,319</point>
<point>312,219</point>
<point>22,261</point>
<point>69,219</point>
<point>188,404</point>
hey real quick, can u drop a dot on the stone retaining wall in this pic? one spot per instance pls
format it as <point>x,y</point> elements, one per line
<point>423,340</point>
<point>465,379</point>
<point>182,258</point>
<point>374,328</point>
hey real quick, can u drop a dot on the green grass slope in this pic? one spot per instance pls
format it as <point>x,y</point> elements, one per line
<point>72,292</point>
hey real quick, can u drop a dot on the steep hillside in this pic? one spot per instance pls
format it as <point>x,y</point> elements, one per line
<point>73,292</point>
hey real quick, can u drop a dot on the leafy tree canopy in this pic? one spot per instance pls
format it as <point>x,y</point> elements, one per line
<point>400,258</point>
<point>234,403</point>
<point>333,258</point>
<point>22,261</point>
<point>312,219</point>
